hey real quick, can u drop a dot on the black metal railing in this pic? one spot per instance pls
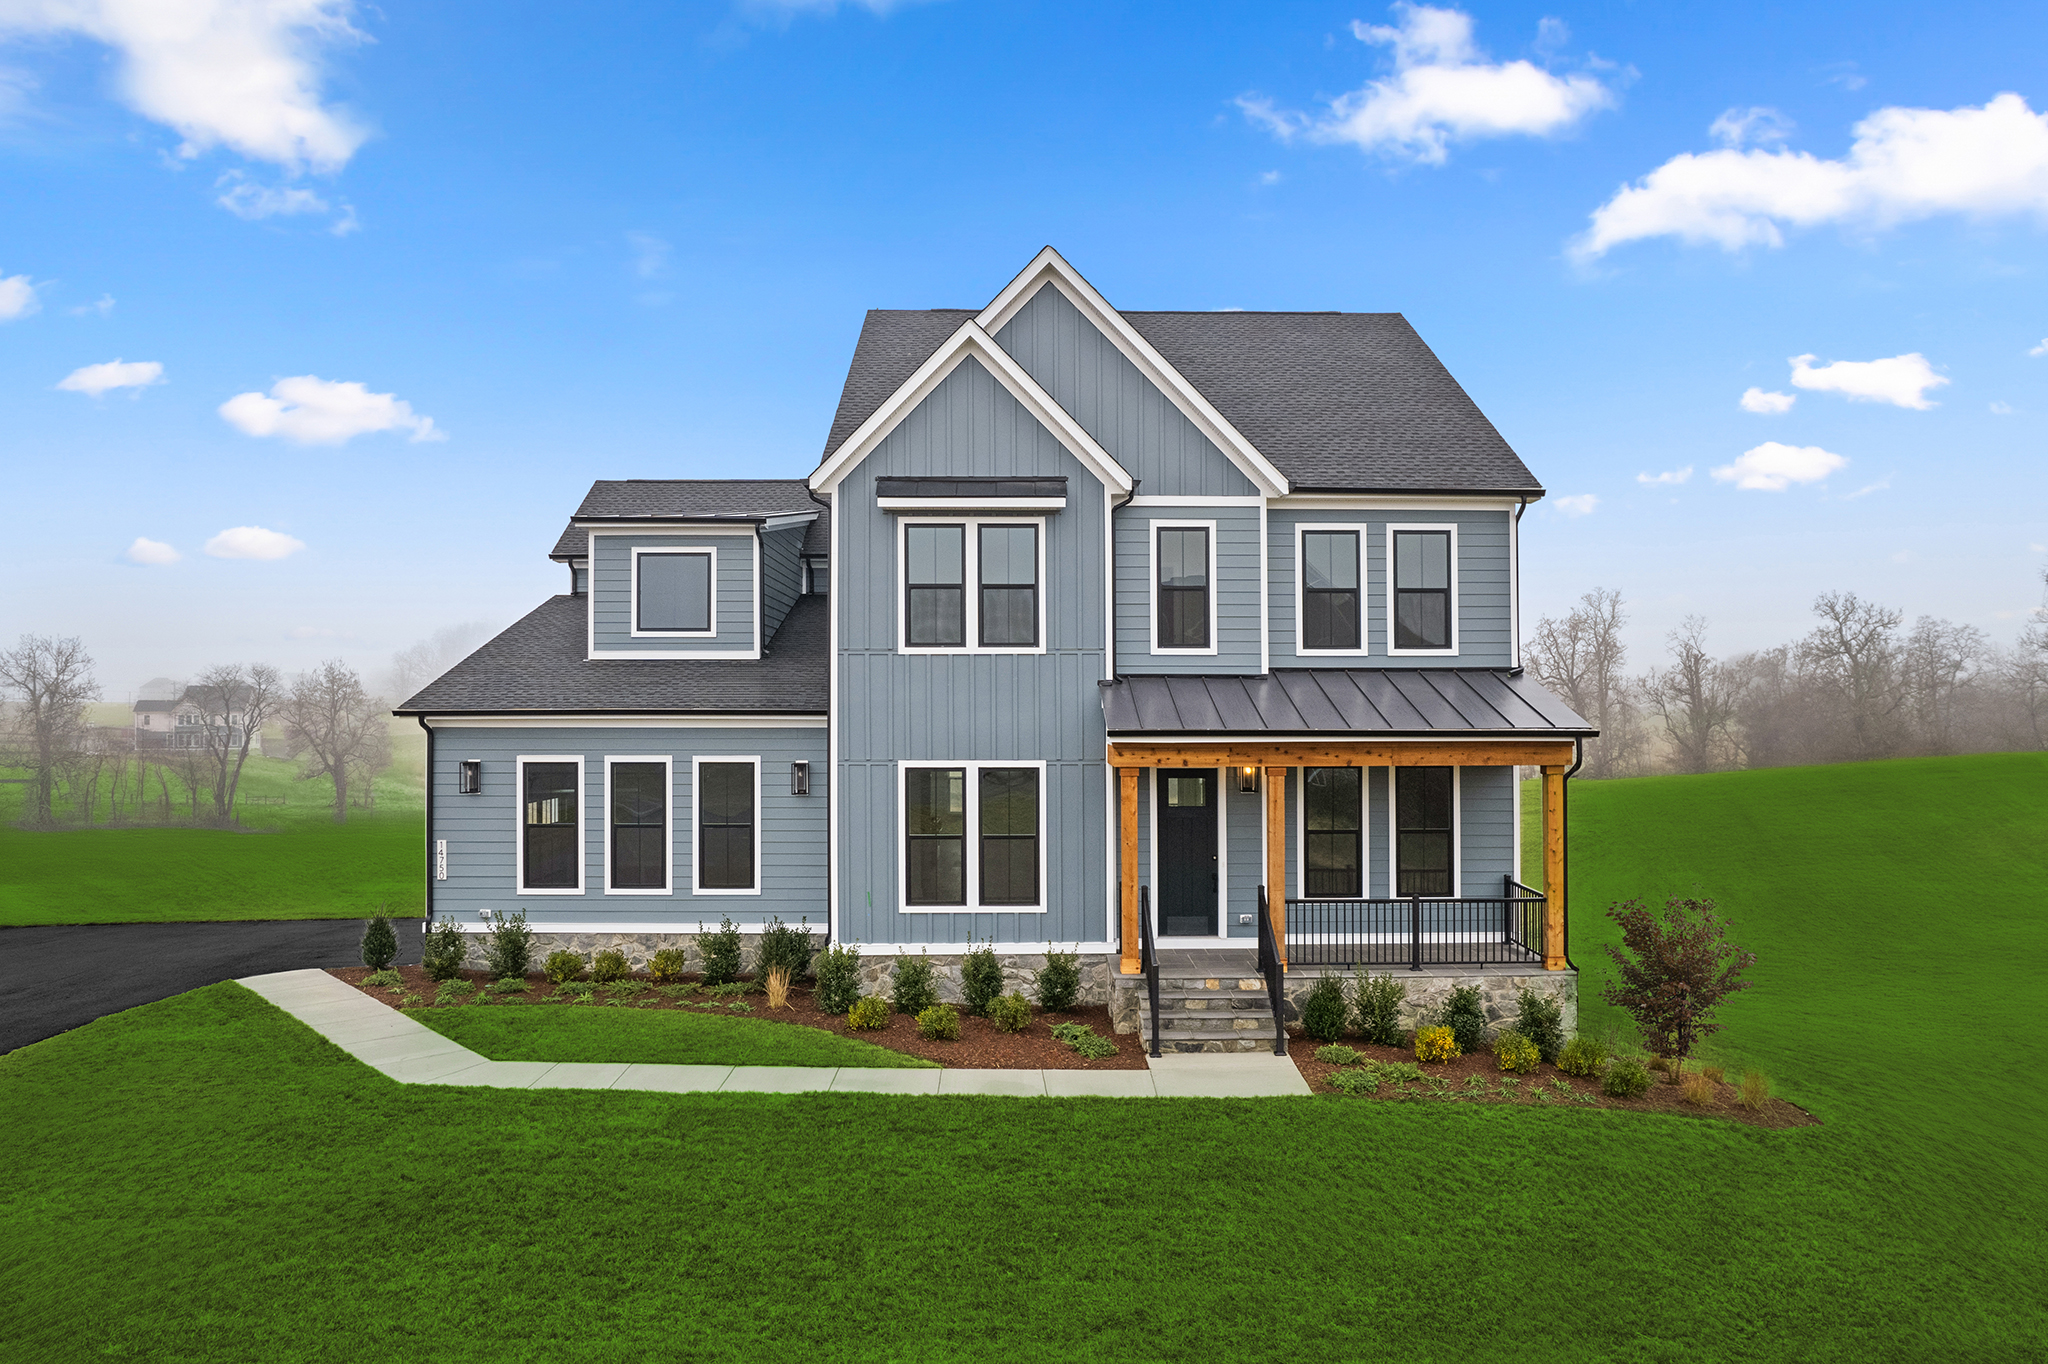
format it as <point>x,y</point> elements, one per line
<point>1148,959</point>
<point>1417,932</point>
<point>1270,968</point>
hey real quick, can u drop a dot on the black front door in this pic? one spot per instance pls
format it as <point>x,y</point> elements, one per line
<point>1187,852</point>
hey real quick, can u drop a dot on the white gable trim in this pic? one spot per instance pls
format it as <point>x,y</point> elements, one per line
<point>1050,266</point>
<point>970,340</point>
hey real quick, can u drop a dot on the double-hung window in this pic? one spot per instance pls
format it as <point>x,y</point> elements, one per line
<point>1181,556</point>
<point>637,796</point>
<point>1333,833</point>
<point>728,829</point>
<point>550,838</point>
<point>672,591</point>
<point>971,585</point>
<point>972,836</point>
<point>935,586</point>
<point>1425,823</point>
<point>1422,615</point>
<point>1008,568</point>
<point>1329,589</point>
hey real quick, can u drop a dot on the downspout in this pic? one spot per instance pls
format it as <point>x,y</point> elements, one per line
<point>1564,790</point>
<point>428,922</point>
<point>831,739</point>
<point>1522,505</point>
<point>1110,569</point>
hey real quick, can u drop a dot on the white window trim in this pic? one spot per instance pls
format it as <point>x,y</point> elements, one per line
<point>1152,529</point>
<point>1364,834</point>
<point>697,762</point>
<point>519,823</point>
<point>711,585</point>
<point>1364,531</point>
<point>669,815</point>
<point>752,634</point>
<point>1439,527</point>
<point>1457,836</point>
<point>971,586</point>
<point>1226,782</point>
<point>973,839</point>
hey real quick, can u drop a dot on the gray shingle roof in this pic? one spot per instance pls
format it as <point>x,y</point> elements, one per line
<point>700,498</point>
<point>1341,701</point>
<point>539,665</point>
<point>1337,401</point>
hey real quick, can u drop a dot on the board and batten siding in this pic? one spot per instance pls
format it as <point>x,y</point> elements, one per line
<point>894,707</point>
<point>1236,586</point>
<point>482,835</point>
<point>1485,588</point>
<point>611,589</point>
<point>782,576</point>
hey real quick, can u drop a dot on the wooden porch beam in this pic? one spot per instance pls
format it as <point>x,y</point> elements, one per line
<point>1245,753</point>
<point>1276,857</point>
<point>1127,807</point>
<point>1553,869</point>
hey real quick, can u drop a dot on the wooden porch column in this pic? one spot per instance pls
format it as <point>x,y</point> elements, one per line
<point>1553,869</point>
<point>1276,856</point>
<point>1128,811</point>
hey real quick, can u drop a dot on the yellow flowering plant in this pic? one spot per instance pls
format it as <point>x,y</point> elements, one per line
<point>1436,1044</point>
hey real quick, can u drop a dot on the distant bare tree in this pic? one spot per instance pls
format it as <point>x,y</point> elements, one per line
<point>1580,658</point>
<point>339,727</point>
<point>1938,672</point>
<point>1852,658</point>
<point>237,703</point>
<point>51,681</point>
<point>413,668</point>
<point>1695,697</point>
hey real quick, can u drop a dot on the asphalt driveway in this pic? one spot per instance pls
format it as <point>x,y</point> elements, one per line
<point>58,977</point>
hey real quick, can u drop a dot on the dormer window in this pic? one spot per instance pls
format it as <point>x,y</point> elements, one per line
<point>672,591</point>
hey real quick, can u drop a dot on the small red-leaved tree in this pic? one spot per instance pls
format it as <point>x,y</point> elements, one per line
<point>1681,969</point>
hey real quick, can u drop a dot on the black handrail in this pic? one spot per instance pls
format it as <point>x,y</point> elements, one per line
<point>1148,959</point>
<point>1416,932</point>
<point>1269,967</point>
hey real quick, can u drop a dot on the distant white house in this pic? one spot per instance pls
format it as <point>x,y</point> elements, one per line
<point>186,719</point>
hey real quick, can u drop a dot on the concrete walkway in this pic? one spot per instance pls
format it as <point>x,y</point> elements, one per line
<point>411,1053</point>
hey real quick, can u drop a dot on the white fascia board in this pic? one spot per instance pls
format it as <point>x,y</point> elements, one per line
<point>671,526</point>
<point>994,506</point>
<point>1443,502</point>
<point>652,720</point>
<point>775,523</point>
<point>1049,265</point>
<point>969,340</point>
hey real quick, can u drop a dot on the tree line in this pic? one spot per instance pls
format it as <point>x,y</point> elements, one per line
<point>1860,685</point>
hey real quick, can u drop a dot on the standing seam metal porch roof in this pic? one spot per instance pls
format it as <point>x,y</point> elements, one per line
<point>1362,702</point>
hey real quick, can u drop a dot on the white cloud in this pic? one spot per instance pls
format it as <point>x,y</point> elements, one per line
<point>2038,351</point>
<point>1755,124</point>
<point>650,254</point>
<point>315,411</point>
<point>1772,467</point>
<point>148,551</point>
<point>1869,488</point>
<point>17,297</point>
<point>1905,164</point>
<point>1579,504</point>
<point>98,379</point>
<point>1441,91</point>
<point>1766,403</point>
<point>253,542</point>
<point>1669,476</point>
<point>2001,409</point>
<point>1901,380</point>
<point>240,73</point>
<point>249,201</point>
<point>103,307</point>
<point>1271,177</point>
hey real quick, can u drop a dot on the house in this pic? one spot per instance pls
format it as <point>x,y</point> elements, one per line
<point>1092,630</point>
<point>192,719</point>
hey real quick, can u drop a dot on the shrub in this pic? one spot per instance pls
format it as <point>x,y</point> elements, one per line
<point>912,986</point>
<point>511,946</point>
<point>666,966</point>
<point>786,947</point>
<point>1756,1090</point>
<point>380,944</point>
<point>838,978</point>
<point>1439,1043</point>
<point>1583,1056</point>
<point>562,965</point>
<point>608,966</point>
<point>1357,1081</point>
<point>981,979</point>
<point>1336,1056</point>
<point>1626,1078</point>
<point>939,1023</point>
<point>1378,1001</point>
<point>1465,1015</point>
<point>1324,1012</point>
<point>385,979</point>
<point>444,951</point>
<point>1697,1089</point>
<point>1404,1071</point>
<point>1058,982</point>
<point>1540,1018</point>
<point>1659,1064</point>
<point>1515,1052</point>
<point>777,986</point>
<point>1011,1013</point>
<point>1675,971</point>
<point>721,952</point>
<point>1714,1073</point>
<point>1084,1040</point>
<point>868,1012</point>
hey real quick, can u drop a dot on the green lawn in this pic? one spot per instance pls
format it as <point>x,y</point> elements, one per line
<point>586,1032</point>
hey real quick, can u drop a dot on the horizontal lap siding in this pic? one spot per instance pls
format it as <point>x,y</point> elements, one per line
<point>1486,808</point>
<point>1237,589</point>
<point>782,576</point>
<point>611,594</point>
<point>482,836</point>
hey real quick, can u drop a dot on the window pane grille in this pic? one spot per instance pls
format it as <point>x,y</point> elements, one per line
<point>935,584</point>
<point>1009,585</point>
<point>1184,589</point>
<point>674,592</point>
<point>552,848</point>
<point>1329,580</point>
<point>935,822</point>
<point>1422,830</point>
<point>725,826</point>
<point>1333,819</point>
<point>1009,835</point>
<point>639,797</point>
<point>1422,589</point>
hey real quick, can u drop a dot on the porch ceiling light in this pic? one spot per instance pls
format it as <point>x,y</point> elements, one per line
<point>1247,779</point>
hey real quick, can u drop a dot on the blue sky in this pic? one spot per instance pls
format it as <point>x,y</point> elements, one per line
<point>551,244</point>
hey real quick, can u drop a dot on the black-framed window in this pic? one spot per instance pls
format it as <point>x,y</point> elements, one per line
<point>935,828</point>
<point>552,852</point>
<point>1009,835</point>
<point>1422,589</point>
<point>1423,830</point>
<point>1329,589</point>
<point>1333,820</point>
<point>935,586</point>
<point>725,826</point>
<point>674,591</point>
<point>1008,569</point>
<point>639,798</point>
<point>1183,587</point>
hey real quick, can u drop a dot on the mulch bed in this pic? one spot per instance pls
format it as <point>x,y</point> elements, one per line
<point>981,1044</point>
<point>1662,1098</point>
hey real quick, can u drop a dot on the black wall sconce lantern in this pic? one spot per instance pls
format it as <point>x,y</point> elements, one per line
<point>800,779</point>
<point>469,777</point>
<point>1247,779</point>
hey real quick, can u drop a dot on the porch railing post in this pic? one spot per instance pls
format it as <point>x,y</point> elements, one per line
<point>1415,932</point>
